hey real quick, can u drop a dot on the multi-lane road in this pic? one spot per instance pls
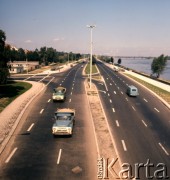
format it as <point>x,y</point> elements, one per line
<point>140,125</point>
<point>33,152</point>
<point>140,128</point>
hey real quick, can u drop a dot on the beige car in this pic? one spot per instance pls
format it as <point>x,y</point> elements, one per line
<point>59,94</point>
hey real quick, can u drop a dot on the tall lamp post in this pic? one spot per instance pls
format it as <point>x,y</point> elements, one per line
<point>91,46</point>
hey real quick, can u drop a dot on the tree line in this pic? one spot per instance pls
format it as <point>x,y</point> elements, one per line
<point>45,56</point>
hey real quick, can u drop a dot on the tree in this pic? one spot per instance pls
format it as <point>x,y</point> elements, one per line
<point>112,60</point>
<point>158,65</point>
<point>119,61</point>
<point>4,72</point>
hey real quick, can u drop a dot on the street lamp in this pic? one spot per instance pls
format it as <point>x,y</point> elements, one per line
<point>91,46</point>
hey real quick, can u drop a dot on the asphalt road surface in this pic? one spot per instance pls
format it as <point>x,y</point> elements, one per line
<point>33,152</point>
<point>140,125</point>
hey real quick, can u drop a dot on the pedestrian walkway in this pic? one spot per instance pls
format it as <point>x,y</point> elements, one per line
<point>151,81</point>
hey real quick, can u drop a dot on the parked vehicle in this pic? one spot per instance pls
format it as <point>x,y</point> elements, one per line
<point>64,122</point>
<point>132,91</point>
<point>59,94</point>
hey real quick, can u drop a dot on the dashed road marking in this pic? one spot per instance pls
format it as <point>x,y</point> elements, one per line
<point>117,123</point>
<point>124,145</point>
<point>114,92</point>
<point>133,108</point>
<point>144,123</point>
<point>166,152</point>
<point>49,100</point>
<point>121,92</point>
<point>156,110</point>
<point>126,99</point>
<point>108,94</point>
<point>145,100</point>
<point>113,109</point>
<point>110,101</point>
<point>29,129</point>
<point>41,111</point>
<point>10,156</point>
<point>59,156</point>
<point>69,100</point>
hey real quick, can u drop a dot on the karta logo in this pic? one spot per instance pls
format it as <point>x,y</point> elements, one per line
<point>106,170</point>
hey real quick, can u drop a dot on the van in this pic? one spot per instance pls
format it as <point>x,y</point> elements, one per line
<point>132,91</point>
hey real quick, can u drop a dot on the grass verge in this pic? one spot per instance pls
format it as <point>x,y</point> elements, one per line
<point>11,91</point>
<point>160,92</point>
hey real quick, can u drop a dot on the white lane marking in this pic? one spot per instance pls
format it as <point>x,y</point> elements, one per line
<point>60,84</point>
<point>69,100</point>
<point>71,93</point>
<point>105,83</point>
<point>118,88</point>
<point>49,100</point>
<point>41,111</point>
<point>108,94</point>
<point>121,92</point>
<point>156,110</point>
<point>50,81</point>
<point>72,88</point>
<point>10,156</point>
<point>29,129</point>
<point>163,149</point>
<point>124,145</point>
<point>126,99</point>
<point>117,123</point>
<point>110,84</point>
<point>133,108</point>
<point>113,109</point>
<point>110,101</point>
<point>127,84</point>
<point>115,92</point>
<point>145,100</point>
<point>144,123</point>
<point>59,156</point>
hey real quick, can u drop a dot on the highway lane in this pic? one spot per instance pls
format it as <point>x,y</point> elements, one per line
<point>34,153</point>
<point>140,126</point>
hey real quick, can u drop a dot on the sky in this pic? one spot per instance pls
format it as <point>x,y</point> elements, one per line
<point>123,27</point>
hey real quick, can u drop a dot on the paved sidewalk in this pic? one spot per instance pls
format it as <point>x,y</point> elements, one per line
<point>151,81</point>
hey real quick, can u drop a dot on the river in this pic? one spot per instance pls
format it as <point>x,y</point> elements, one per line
<point>144,65</point>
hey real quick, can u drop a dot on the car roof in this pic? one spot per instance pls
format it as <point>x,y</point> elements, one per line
<point>65,110</point>
<point>60,88</point>
<point>132,86</point>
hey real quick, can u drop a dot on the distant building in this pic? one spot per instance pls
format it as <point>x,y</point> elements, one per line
<point>21,66</point>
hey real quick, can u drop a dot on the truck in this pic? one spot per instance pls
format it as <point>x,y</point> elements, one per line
<point>64,122</point>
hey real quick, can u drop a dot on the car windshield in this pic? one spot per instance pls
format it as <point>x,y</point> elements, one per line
<point>63,117</point>
<point>59,92</point>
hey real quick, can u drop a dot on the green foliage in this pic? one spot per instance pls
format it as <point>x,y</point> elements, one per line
<point>11,91</point>
<point>4,55</point>
<point>119,61</point>
<point>158,65</point>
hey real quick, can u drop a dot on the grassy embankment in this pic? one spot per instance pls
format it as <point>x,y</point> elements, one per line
<point>11,91</point>
<point>160,92</point>
<point>94,71</point>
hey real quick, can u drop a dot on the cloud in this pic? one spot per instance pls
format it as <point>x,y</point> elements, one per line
<point>28,41</point>
<point>59,39</point>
